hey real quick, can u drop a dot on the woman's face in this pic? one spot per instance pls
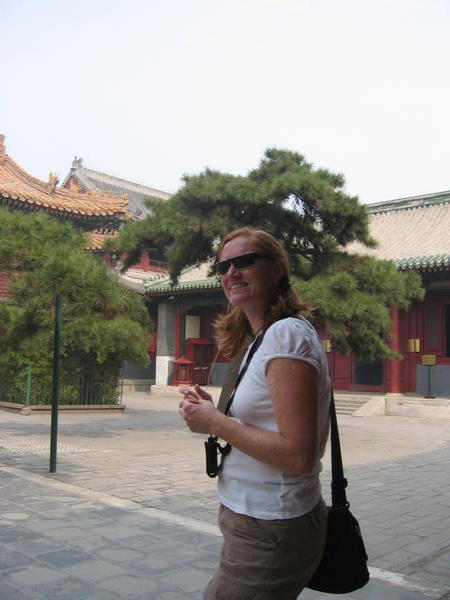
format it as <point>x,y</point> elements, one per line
<point>250,288</point>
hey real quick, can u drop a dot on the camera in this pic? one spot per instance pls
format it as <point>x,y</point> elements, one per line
<point>212,451</point>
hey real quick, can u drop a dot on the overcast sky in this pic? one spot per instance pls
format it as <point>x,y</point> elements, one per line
<point>149,90</point>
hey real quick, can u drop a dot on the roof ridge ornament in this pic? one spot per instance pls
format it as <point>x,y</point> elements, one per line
<point>53,181</point>
<point>77,163</point>
<point>2,146</point>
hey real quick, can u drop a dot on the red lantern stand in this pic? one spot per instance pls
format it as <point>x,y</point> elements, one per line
<point>194,367</point>
<point>182,371</point>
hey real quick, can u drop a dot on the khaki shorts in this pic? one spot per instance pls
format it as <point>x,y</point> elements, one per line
<point>267,560</point>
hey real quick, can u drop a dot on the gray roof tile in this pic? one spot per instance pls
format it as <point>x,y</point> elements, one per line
<point>90,179</point>
<point>412,232</point>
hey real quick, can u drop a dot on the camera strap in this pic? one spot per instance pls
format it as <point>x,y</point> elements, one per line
<point>256,344</point>
<point>212,446</point>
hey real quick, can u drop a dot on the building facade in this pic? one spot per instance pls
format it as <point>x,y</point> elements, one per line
<point>412,232</point>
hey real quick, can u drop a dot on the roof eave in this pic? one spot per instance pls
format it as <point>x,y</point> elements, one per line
<point>180,290</point>
<point>440,262</point>
<point>409,202</point>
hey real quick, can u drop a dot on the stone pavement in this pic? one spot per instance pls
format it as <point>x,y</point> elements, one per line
<point>131,515</point>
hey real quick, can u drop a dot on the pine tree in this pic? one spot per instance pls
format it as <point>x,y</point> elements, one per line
<point>103,324</point>
<point>307,210</point>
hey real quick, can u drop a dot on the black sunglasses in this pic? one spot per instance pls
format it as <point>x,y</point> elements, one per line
<point>238,262</point>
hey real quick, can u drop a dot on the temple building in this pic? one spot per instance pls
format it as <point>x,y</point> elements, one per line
<point>95,212</point>
<point>412,232</point>
<point>94,202</point>
<point>99,215</point>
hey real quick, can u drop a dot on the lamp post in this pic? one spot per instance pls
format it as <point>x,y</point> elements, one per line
<point>55,384</point>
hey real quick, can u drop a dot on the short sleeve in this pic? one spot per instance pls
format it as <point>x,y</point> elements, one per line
<point>291,338</point>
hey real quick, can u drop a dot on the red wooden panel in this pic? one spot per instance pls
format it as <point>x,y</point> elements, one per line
<point>342,371</point>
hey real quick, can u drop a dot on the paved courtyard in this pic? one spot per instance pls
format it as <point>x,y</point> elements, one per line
<point>130,514</point>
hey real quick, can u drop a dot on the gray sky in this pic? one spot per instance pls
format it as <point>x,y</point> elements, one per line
<point>149,90</point>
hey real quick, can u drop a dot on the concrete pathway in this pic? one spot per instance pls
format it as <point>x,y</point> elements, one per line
<point>131,515</point>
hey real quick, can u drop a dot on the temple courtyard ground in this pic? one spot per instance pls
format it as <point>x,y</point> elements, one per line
<point>130,514</point>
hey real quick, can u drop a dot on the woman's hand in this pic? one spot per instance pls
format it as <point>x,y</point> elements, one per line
<point>195,394</point>
<point>198,411</point>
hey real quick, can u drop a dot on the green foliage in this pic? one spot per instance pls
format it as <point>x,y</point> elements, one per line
<point>5,321</point>
<point>307,210</point>
<point>103,324</point>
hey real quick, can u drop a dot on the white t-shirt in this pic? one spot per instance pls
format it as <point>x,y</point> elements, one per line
<point>246,485</point>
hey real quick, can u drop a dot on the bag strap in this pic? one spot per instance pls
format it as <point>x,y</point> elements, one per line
<point>256,344</point>
<point>234,367</point>
<point>212,440</point>
<point>338,481</point>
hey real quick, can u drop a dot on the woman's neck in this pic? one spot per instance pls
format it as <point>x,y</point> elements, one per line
<point>258,333</point>
<point>256,324</point>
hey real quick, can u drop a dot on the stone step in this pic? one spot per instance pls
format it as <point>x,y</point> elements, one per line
<point>344,411</point>
<point>347,404</point>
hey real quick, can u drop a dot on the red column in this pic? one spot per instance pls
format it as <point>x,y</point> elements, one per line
<point>395,387</point>
<point>145,262</point>
<point>178,324</point>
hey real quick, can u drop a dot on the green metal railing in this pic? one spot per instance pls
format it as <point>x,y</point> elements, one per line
<point>80,392</point>
<point>10,394</point>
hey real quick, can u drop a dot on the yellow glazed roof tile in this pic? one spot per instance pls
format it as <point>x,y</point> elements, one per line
<point>21,187</point>
<point>97,239</point>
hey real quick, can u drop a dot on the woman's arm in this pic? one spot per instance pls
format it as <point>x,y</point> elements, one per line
<point>293,388</point>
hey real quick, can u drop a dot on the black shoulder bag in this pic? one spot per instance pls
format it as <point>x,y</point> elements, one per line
<point>212,447</point>
<point>343,567</point>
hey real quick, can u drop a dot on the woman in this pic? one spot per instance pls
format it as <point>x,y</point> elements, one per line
<point>272,516</point>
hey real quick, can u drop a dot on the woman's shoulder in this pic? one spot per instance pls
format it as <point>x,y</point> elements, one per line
<point>293,337</point>
<point>291,334</point>
<point>292,324</point>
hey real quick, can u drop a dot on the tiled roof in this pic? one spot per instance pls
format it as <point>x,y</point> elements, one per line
<point>412,232</point>
<point>138,280</point>
<point>441,262</point>
<point>19,188</point>
<point>410,202</point>
<point>211,283</point>
<point>88,179</point>
<point>97,239</point>
<point>192,279</point>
